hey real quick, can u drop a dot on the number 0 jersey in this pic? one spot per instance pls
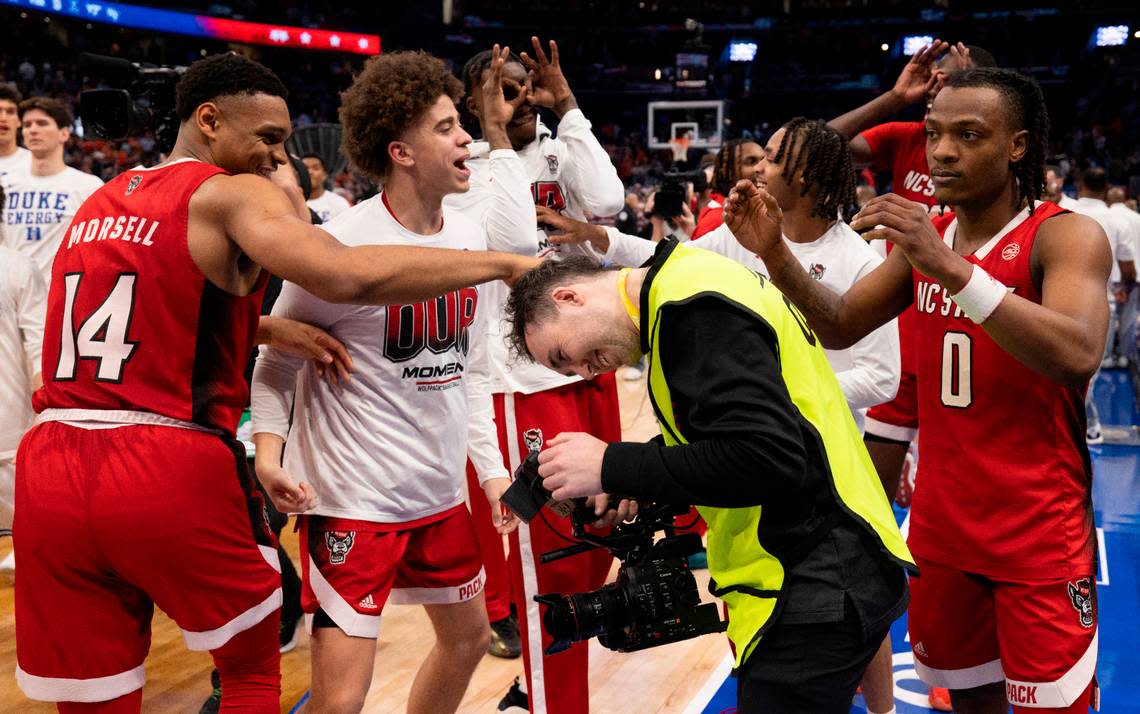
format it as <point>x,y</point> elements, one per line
<point>132,323</point>
<point>1004,483</point>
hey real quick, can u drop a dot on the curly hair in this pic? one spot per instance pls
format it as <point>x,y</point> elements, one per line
<point>389,97</point>
<point>530,302</point>
<point>821,153</point>
<point>223,75</point>
<point>52,107</point>
<point>1025,105</point>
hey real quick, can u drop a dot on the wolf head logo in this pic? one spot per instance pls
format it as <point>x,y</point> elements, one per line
<point>533,439</point>
<point>339,543</point>
<point>1082,597</point>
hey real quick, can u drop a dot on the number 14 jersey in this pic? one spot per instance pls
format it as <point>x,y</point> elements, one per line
<point>1005,485</point>
<point>132,324</point>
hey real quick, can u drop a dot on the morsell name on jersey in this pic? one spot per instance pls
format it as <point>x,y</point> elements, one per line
<point>128,229</point>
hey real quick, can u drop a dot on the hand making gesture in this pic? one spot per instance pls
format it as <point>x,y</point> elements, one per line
<point>497,109</point>
<point>918,76</point>
<point>550,87</point>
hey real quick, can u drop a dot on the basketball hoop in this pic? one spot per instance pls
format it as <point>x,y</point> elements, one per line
<point>680,147</point>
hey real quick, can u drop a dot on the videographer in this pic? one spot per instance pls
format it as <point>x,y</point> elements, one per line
<point>756,432</point>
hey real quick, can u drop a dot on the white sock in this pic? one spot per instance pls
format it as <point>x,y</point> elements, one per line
<point>889,711</point>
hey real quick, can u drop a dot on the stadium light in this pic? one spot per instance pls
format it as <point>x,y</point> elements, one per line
<point>913,43</point>
<point>742,51</point>
<point>1110,35</point>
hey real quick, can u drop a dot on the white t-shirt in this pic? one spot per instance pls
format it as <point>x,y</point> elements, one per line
<point>23,298</point>
<point>868,371</point>
<point>1131,219</point>
<point>391,444</point>
<point>1114,227</point>
<point>328,205</point>
<point>40,208</point>
<point>18,163</point>
<point>571,173</point>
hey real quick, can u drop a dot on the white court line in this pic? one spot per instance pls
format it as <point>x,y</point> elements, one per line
<point>714,682</point>
<point>1102,558</point>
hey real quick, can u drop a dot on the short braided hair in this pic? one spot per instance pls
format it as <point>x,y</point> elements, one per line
<point>726,167</point>
<point>822,154</point>
<point>1026,107</point>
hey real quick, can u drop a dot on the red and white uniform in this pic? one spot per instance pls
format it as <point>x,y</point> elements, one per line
<point>131,491</point>
<point>1004,515</point>
<point>571,173</point>
<point>901,148</point>
<point>385,452</point>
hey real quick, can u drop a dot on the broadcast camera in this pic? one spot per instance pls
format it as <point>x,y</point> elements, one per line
<point>142,100</point>
<point>654,600</point>
<point>675,191</point>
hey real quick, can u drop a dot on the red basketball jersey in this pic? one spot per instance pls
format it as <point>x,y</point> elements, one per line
<point>901,147</point>
<point>132,323</point>
<point>1005,484</point>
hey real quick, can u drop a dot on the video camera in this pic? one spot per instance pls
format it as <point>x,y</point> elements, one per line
<point>674,192</point>
<point>142,100</point>
<point>654,600</point>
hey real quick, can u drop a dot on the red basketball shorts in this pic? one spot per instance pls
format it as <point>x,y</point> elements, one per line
<point>1039,637</point>
<point>115,521</point>
<point>351,568</point>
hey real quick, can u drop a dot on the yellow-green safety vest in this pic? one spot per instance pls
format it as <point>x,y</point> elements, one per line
<point>746,576</point>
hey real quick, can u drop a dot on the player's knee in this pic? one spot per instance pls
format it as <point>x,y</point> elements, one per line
<point>469,643</point>
<point>340,700</point>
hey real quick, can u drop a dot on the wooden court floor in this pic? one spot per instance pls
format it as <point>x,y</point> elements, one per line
<point>664,679</point>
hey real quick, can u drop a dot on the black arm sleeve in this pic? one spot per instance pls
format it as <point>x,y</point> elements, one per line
<point>731,404</point>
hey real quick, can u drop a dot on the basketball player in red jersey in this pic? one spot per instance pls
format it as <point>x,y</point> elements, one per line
<point>900,147</point>
<point>131,489</point>
<point>1008,298</point>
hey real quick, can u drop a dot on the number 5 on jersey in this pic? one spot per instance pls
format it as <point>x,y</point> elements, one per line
<point>102,336</point>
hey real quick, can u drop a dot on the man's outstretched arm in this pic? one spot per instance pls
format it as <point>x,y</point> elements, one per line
<point>257,216</point>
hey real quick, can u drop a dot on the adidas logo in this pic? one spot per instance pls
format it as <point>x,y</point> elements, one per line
<point>367,603</point>
<point>918,649</point>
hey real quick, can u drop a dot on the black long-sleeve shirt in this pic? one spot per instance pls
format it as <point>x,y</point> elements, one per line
<point>749,446</point>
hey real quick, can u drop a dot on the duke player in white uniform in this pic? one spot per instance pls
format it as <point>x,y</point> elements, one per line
<point>14,159</point>
<point>22,298</point>
<point>571,174</point>
<point>380,458</point>
<point>42,202</point>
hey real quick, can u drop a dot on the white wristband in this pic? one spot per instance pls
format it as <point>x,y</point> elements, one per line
<point>981,296</point>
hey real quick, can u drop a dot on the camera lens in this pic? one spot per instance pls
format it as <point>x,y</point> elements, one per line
<point>580,616</point>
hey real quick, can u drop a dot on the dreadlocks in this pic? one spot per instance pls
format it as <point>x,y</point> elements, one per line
<point>726,168</point>
<point>821,153</point>
<point>1026,107</point>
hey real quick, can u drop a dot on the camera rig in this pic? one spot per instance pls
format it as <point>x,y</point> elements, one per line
<point>653,601</point>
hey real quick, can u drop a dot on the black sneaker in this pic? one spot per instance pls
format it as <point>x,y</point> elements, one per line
<point>214,703</point>
<point>290,632</point>
<point>505,640</point>
<point>515,701</point>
